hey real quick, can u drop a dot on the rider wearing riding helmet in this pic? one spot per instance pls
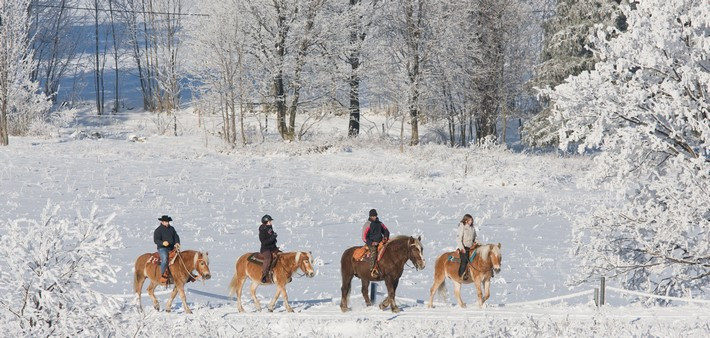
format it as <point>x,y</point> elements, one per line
<point>267,237</point>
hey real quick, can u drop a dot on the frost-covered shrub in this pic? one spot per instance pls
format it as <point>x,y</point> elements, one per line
<point>645,106</point>
<point>47,269</point>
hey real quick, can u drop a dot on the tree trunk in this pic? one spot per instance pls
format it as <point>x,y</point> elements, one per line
<point>354,61</point>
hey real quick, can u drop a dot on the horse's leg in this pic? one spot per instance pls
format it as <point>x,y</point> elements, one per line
<point>284,295</point>
<point>457,293</point>
<point>183,298</point>
<point>252,290</point>
<point>169,305</point>
<point>487,286</point>
<point>391,289</point>
<point>151,294</point>
<point>345,291</point>
<point>365,284</point>
<point>139,289</point>
<point>477,281</point>
<point>272,303</point>
<point>240,286</point>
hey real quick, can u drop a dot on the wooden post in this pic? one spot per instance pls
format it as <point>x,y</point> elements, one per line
<point>602,291</point>
<point>596,297</point>
<point>373,291</point>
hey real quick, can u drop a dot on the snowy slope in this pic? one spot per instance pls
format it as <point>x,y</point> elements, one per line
<point>319,197</point>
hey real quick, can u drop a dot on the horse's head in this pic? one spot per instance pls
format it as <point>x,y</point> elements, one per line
<point>304,261</point>
<point>416,252</point>
<point>495,256</point>
<point>202,265</point>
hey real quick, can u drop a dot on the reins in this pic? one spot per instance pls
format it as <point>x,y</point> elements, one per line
<point>182,262</point>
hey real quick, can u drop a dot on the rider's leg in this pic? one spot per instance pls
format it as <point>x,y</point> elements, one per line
<point>266,265</point>
<point>164,253</point>
<point>373,258</point>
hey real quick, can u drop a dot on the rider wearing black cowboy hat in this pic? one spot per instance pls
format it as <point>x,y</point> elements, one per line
<point>167,239</point>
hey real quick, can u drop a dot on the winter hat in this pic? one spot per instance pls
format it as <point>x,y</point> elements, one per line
<point>373,212</point>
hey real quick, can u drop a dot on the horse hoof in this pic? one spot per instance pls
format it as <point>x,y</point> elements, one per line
<point>289,310</point>
<point>396,310</point>
<point>368,304</point>
<point>344,309</point>
<point>168,310</point>
<point>156,307</point>
<point>383,306</point>
<point>271,310</point>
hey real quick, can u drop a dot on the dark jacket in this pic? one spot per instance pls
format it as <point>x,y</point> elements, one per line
<point>375,232</point>
<point>267,237</point>
<point>166,234</point>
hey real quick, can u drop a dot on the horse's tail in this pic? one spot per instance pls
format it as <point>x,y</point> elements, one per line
<point>441,292</point>
<point>234,283</point>
<point>138,276</point>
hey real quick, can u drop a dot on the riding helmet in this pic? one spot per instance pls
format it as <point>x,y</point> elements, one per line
<point>265,219</point>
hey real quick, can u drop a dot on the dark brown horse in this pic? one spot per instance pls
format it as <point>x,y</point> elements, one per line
<point>486,261</point>
<point>286,265</point>
<point>397,252</point>
<point>181,271</point>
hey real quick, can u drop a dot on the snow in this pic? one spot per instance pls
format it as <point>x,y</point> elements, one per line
<point>319,198</point>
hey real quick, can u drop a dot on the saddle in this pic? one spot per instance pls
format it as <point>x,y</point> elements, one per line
<point>455,258</point>
<point>155,257</point>
<point>258,258</point>
<point>363,253</point>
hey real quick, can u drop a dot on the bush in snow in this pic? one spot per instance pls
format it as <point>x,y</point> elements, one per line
<point>48,268</point>
<point>645,106</point>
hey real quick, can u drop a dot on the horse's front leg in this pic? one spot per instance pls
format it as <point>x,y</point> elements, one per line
<point>169,304</point>
<point>457,293</point>
<point>184,298</point>
<point>151,294</point>
<point>365,284</point>
<point>252,290</point>
<point>276,297</point>
<point>389,301</point>
<point>479,292</point>
<point>487,286</point>
<point>285,297</point>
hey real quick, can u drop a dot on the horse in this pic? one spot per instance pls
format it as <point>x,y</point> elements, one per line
<point>487,260</point>
<point>286,264</point>
<point>181,271</point>
<point>396,253</point>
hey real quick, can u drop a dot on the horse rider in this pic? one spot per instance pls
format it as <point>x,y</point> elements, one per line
<point>465,242</point>
<point>374,232</point>
<point>167,239</point>
<point>267,237</point>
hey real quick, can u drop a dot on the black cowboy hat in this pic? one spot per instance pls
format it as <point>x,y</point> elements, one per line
<point>165,218</point>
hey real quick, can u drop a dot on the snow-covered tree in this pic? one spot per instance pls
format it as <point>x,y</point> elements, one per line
<point>20,103</point>
<point>645,107</point>
<point>48,268</point>
<point>567,50</point>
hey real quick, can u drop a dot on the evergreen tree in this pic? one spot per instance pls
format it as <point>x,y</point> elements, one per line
<point>567,50</point>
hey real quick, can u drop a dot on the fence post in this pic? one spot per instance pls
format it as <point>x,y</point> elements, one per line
<point>373,291</point>
<point>602,291</point>
<point>596,297</point>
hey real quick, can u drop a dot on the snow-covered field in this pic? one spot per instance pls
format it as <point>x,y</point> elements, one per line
<point>319,197</point>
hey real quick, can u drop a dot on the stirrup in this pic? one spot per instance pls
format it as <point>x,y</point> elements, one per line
<point>374,273</point>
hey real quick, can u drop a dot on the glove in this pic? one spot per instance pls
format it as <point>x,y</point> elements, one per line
<point>177,245</point>
<point>165,243</point>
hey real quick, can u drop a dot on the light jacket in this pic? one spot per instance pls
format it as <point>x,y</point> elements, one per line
<point>465,236</point>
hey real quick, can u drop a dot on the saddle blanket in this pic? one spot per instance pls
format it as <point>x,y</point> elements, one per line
<point>155,257</point>
<point>257,258</point>
<point>456,258</point>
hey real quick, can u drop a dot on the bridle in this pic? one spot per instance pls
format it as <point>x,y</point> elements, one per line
<point>298,267</point>
<point>414,244</point>
<point>193,278</point>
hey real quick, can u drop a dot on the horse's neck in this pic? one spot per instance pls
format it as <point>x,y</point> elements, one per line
<point>484,262</point>
<point>288,262</point>
<point>390,251</point>
<point>188,258</point>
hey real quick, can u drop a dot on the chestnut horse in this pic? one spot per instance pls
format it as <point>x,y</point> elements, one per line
<point>480,270</point>
<point>181,271</point>
<point>286,264</point>
<point>396,253</point>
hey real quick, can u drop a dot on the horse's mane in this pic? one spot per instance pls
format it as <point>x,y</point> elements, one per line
<point>485,249</point>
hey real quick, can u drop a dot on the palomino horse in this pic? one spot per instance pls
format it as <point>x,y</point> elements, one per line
<point>287,263</point>
<point>396,253</point>
<point>181,271</point>
<point>480,270</point>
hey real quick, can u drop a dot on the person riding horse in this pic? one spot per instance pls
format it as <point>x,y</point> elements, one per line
<point>267,237</point>
<point>465,242</point>
<point>374,232</point>
<point>167,239</point>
